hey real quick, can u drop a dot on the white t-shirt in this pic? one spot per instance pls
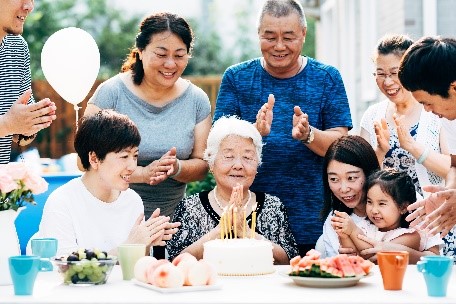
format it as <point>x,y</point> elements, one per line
<point>372,232</point>
<point>79,220</point>
<point>329,238</point>
<point>328,243</point>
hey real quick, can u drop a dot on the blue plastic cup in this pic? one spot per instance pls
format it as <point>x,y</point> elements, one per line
<point>45,248</point>
<point>23,270</point>
<point>436,271</point>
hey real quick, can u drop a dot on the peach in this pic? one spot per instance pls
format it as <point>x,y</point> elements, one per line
<point>141,267</point>
<point>199,273</point>
<point>185,265</point>
<point>183,256</point>
<point>168,276</point>
<point>151,268</point>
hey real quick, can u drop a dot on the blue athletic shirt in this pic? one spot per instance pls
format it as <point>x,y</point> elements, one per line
<point>290,170</point>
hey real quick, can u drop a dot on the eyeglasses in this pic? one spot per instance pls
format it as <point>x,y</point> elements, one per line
<point>382,76</point>
<point>229,159</point>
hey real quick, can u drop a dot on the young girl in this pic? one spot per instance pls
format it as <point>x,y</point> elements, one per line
<point>389,193</point>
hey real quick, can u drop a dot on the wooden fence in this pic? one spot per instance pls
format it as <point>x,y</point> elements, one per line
<point>57,140</point>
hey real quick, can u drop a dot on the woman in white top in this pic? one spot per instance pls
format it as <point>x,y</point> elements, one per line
<point>347,164</point>
<point>404,136</point>
<point>98,210</point>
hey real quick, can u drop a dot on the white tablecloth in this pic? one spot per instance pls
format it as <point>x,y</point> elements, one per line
<point>272,288</point>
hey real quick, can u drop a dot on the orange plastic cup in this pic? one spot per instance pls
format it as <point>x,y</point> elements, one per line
<point>392,266</point>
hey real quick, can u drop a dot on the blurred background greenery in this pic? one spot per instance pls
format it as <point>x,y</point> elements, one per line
<point>115,31</point>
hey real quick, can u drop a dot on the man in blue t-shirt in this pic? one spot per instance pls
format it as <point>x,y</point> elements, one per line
<point>307,111</point>
<point>19,119</point>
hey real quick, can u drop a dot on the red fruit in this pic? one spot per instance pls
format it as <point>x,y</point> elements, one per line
<point>355,262</point>
<point>344,265</point>
<point>168,276</point>
<point>313,254</point>
<point>295,261</point>
<point>141,267</point>
<point>151,268</point>
<point>366,265</point>
<point>185,265</point>
<point>183,256</point>
<point>199,273</point>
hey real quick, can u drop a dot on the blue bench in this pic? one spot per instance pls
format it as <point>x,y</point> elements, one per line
<point>28,220</point>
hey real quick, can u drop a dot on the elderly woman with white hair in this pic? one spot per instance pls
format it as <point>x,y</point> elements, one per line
<point>233,153</point>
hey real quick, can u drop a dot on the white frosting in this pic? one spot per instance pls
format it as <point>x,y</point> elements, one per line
<point>239,256</point>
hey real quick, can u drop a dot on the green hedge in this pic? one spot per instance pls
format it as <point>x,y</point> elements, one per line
<point>207,184</point>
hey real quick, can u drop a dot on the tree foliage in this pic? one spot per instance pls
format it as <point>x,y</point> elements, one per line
<point>113,32</point>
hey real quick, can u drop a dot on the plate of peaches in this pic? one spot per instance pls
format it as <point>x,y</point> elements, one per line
<point>333,272</point>
<point>184,274</point>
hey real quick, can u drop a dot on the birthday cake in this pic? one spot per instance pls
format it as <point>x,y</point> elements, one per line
<point>239,257</point>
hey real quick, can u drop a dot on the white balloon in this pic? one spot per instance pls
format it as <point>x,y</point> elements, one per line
<point>70,60</point>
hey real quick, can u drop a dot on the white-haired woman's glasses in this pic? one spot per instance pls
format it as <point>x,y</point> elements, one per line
<point>245,160</point>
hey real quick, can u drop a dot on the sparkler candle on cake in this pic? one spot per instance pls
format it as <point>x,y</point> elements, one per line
<point>225,222</point>
<point>235,222</point>
<point>222,219</point>
<point>244,221</point>
<point>252,235</point>
<point>230,220</point>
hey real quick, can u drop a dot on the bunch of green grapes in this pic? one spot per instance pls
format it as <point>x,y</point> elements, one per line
<point>86,267</point>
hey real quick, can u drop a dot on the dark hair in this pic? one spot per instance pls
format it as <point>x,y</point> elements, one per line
<point>353,150</point>
<point>393,44</point>
<point>429,65</point>
<point>104,132</point>
<point>282,8</point>
<point>398,185</point>
<point>156,24</point>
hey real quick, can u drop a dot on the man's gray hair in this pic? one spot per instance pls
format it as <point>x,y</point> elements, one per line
<point>227,126</point>
<point>282,8</point>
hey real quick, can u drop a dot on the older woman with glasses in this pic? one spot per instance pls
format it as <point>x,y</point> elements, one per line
<point>233,153</point>
<point>403,134</point>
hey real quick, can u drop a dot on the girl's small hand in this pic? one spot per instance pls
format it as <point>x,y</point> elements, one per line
<point>342,223</point>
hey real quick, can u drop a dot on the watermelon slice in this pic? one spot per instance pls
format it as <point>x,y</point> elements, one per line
<point>344,265</point>
<point>356,264</point>
<point>333,267</point>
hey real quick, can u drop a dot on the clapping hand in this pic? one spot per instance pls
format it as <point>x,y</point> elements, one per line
<point>383,135</point>
<point>406,140</point>
<point>160,169</point>
<point>264,117</point>
<point>301,127</point>
<point>32,117</point>
<point>149,232</point>
<point>436,213</point>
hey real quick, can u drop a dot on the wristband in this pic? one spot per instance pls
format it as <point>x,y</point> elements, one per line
<point>453,160</point>
<point>179,169</point>
<point>423,156</point>
<point>22,137</point>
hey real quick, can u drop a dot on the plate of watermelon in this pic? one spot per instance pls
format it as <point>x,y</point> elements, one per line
<point>338,271</point>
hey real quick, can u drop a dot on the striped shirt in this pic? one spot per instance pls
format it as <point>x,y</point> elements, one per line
<point>15,79</point>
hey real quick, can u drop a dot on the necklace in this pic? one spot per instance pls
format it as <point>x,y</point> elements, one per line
<point>220,205</point>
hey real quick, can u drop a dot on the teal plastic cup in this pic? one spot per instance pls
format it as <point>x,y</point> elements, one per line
<point>23,270</point>
<point>45,248</point>
<point>436,271</point>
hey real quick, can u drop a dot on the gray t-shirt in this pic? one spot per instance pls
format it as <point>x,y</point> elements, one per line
<point>161,128</point>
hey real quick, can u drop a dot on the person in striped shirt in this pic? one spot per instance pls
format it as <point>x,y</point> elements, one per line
<point>20,116</point>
